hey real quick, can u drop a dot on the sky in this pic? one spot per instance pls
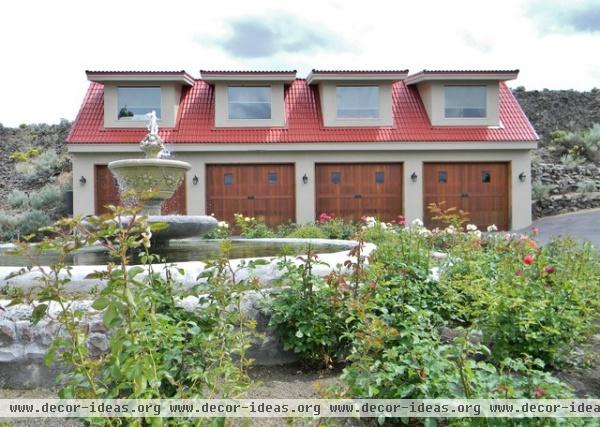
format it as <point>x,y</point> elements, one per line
<point>46,45</point>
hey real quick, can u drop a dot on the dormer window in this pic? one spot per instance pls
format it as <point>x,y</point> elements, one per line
<point>249,102</point>
<point>465,101</point>
<point>133,103</point>
<point>357,102</point>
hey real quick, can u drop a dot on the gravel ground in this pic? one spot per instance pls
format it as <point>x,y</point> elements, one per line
<point>274,382</point>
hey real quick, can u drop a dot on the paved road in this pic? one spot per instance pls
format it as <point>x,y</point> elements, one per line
<point>583,225</point>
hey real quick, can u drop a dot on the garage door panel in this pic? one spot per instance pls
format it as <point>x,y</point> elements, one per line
<point>107,193</point>
<point>264,191</point>
<point>481,189</point>
<point>354,190</point>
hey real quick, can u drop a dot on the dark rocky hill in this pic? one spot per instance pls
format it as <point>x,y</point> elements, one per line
<point>41,136</point>
<point>568,110</point>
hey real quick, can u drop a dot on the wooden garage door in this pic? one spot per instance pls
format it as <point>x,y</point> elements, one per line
<point>481,189</point>
<point>107,194</point>
<point>260,190</point>
<point>354,190</point>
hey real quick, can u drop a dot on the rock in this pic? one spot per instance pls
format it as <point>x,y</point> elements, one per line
<point>45,332</point>
<point>97,344</point>
<point>97,326</point>
<point>24,331</point>
<point>447,335</point>
<point>8,332</point>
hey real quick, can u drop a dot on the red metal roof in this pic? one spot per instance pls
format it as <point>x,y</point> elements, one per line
<point>195,121</point>
<point>248,71</point>
<point>134,72</point>
<point>466,71</point>
<point>359,71</point>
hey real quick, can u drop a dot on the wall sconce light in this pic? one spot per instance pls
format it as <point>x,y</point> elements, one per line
<point>195,180</point>
<point>305,179</point>
<point>413,177</point>
<point>522,177</point>
<point>82,180</point>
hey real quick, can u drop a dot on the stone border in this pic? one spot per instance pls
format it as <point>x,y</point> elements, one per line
<point>192,269</point>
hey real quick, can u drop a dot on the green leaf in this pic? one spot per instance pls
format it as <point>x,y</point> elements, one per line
<point>158,226</point>
<point>134,271</point>
<point>139,384</point>
<point>50,354</point>
<point>129,297</point>
<point>110,315</point>
<point>101,303</point>
<point>96,275</point>
<point>38,312</point>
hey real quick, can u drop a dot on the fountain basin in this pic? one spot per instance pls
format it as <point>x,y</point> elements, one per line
<point>333,253</point>
<point>160,176</point>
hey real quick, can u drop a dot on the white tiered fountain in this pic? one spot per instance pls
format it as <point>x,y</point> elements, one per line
<point>160,178</point>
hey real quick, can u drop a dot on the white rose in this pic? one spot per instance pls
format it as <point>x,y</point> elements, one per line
<point>417,222</point>
<point>471,227</point>
<point>492,228</point>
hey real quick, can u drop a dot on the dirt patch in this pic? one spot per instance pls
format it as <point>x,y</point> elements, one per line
<point>290,381</point>
<point>586,381</point>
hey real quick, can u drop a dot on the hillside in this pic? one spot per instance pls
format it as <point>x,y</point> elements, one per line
<point>41,136</point>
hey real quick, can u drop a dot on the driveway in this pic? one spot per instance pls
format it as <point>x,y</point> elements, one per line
<point>584,225</point>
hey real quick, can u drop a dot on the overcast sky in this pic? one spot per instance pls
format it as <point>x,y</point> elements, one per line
<point>47,45</point>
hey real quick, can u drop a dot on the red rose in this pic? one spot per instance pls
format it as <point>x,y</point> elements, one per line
<point>549,269</point>
<point>528,259</point>
<point>518,273</point>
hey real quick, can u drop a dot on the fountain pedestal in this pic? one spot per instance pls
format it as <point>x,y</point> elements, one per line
<point>159,178</point>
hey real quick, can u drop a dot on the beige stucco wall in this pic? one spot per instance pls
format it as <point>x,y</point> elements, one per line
<point>327,95</point>
<point>305,156</point>
<point>222,106</point>
<point>170,94</point>
<point>432,94</point>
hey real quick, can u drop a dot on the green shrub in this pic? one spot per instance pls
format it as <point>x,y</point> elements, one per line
<point>18,199</point>
<point>396,345</point>
<point>50,198</point>
<point>540,302</point>
<point>42,168</point>
<point>308,231</point>
<point>571,160</point>
<point>252,228</point>
<point>14,226</point>
<point>337,228</point>
<point>308,313</point>
<point>540,191</point>
<point>578,145</point>
<point>585,187</point>
<point>23,156</point>
<point>221,231</point>
<point>284,230</point>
